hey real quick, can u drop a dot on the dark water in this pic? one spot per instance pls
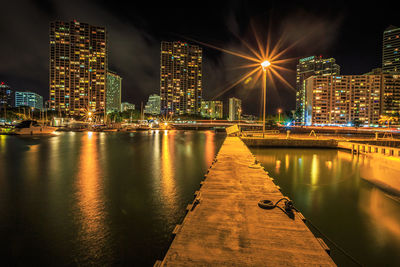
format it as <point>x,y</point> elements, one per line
<point>97,198</point>
<point>329,189</point>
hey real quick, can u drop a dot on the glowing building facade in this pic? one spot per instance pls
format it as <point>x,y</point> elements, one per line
<point>28,99</point>
<point>235,109</point>
<point>391,49</point>
<point>113,92</point>
<point>306,68</point>
<point>153,105</point>
<point>212,109</point>
<point>6,95</point>
<point>345,100</point>
<point>78,68</point>
<point>180,78</point>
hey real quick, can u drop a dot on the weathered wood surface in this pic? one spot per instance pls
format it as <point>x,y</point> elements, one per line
<point>227,228</point>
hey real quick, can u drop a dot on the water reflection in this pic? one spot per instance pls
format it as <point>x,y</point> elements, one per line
<point>383,215</point>
<point>330,188</point>
<point>32,158</point>
<point>92,229</point>
<point>314,169</point>
<point>168,189</point>
<point>98,199</point>
<point>3,143</point>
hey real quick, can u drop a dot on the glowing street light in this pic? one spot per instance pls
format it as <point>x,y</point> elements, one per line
<point>265,60</point>
<point>265,64</point>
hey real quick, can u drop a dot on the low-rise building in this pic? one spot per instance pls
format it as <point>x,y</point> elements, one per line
<point>212,109</point>
<point>125,106</point>
<point>28,99</point>
<point>153,105</point>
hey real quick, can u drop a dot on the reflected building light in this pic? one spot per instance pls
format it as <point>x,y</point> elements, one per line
<point>90,203</point>
<point>383,214</point>
<point>328,164</point>
<point>286,162</point>
<point>314,169</point>
<point>167,172</point>
<point>3,143</point>
<point>277,166</point>
<point>32,161</point>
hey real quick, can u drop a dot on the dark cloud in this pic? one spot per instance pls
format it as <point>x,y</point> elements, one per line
<point>346,31</point>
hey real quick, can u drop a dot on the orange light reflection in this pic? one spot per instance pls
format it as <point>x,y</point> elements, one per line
<point>90,201</point>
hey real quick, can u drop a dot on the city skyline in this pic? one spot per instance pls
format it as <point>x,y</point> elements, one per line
<point>342,38</point>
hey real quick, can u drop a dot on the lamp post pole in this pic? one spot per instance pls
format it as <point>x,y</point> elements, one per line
<point>264,81</point>
<point>279,111</point>
<point>264,66</point>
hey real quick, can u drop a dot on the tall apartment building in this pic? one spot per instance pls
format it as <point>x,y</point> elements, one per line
<point>391,49</point>
<point>342,100</point>
<point>212,109</point>
<point>180,78</point>
<point>306,68</point>
<point>235,109</point>
<point>28,99</point>
<point>390,95</point>
<point>113,92</point>
<point>78,68</point>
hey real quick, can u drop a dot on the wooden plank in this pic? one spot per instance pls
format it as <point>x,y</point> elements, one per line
<point>323,245</point>
<point>176,229</point>
<point>227,228</point>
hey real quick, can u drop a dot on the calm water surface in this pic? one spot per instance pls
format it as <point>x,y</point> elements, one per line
<point>97,198</point>
<point>329,189</point>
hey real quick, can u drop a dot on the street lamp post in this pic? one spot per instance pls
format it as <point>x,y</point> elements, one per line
<point>279,112</point>
<point>264,66</point>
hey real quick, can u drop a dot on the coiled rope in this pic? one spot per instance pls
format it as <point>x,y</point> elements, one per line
<point>288,210</point>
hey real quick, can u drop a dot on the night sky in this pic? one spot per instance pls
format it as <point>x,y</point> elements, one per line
<point>349,31</point>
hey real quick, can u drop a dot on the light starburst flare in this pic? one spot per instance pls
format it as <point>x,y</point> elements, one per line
<point>263,59</point>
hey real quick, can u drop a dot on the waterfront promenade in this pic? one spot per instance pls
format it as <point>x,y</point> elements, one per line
<point>225,227</point>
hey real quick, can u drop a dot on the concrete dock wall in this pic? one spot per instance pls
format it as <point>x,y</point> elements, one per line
<point>301,143</point>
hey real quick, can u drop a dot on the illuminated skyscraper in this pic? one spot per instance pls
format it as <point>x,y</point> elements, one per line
<point>235,109</point>
<point>113,92</point>
<point>306,68</point>
<point>180,78</point>
<point>391,49</point>
<point>78,68</point>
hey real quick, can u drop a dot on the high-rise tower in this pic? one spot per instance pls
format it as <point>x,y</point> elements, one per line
<point>391,49</point>
<point>306,68</point>
<point>113,92</point>
<point>180,78</point>
<point>78,68</point>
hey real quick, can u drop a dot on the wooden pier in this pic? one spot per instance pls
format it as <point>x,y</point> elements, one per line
<point>225,227</point>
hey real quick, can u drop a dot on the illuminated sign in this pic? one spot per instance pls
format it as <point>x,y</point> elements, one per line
<point>306,59</point>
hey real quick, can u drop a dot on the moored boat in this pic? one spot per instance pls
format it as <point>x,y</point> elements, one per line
<point>31,127</point>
